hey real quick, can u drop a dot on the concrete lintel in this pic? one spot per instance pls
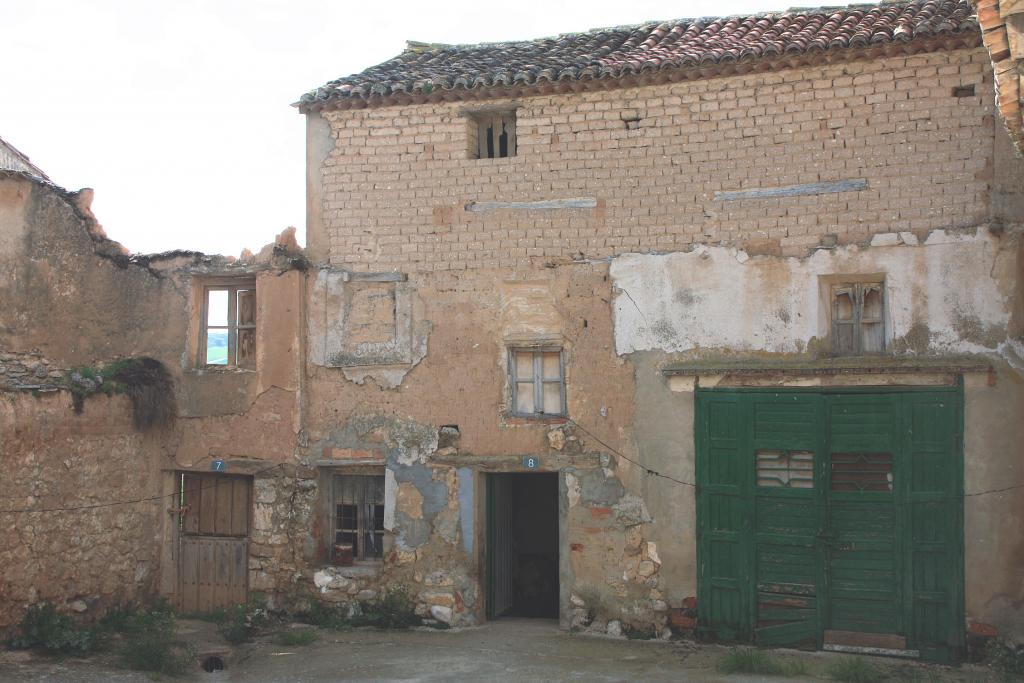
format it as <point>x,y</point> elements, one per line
<point>834,367</point>
<point>545,204</point>
<point>349,276</point>
<point>794,190</point>
<point>551,461</point>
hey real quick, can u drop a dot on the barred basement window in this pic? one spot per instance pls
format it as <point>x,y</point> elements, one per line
<point>858,314</point>
<point>495,134</point>
<point>228,335</point>
<point>537,377</point>
<point>358,520</point>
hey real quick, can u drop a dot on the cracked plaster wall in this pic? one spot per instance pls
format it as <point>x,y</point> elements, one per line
<point>954,292</point>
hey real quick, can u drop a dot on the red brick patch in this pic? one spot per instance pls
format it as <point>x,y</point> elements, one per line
<point>354,454</point>
<point>976,628</point>
<point>600,513</point>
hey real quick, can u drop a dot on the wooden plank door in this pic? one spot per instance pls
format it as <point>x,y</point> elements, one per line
<point>786,440</point>
<point>213,544</point>
<point>723,517</point>
<point>933,489</point>
<point>864,566</point>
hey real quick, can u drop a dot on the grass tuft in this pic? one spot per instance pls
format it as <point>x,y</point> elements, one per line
<point>296,637</point>
<point>853,670</point>
<point>746,661</point>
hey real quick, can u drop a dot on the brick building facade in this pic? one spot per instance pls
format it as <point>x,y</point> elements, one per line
<point>644,328</point>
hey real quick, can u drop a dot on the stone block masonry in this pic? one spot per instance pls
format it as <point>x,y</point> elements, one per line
<point>398,181</point>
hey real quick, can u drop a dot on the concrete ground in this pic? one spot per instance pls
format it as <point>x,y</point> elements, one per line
<point>507,650</point>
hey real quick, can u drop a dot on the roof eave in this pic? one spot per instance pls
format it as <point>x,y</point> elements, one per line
<point>946,41</point>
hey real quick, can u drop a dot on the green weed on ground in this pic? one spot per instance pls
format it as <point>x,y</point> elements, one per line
<point>296,637</point>
<point>747,661</point>
<point>45,629</point>
<point>854,670</point>
<point>238,623</point>
<point>149,643</point>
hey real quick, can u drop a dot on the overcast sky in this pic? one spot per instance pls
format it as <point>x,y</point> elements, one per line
<point>178,113</point>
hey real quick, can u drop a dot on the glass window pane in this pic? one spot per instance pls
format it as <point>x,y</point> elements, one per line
<point>246,307</point>
<point>553,398</point>
<point>524,397</point>
<point>524,365</point>
<point>552,365</point>
<point>216,347</point>
<point>217,307</point>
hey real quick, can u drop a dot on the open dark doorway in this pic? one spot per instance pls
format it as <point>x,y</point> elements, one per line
<point>522,545</point>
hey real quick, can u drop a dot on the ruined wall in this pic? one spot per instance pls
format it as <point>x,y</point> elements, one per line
<point>396,185</point>
<point>72,300</point>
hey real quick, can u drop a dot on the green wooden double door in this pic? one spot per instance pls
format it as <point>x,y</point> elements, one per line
<point>832,518</point>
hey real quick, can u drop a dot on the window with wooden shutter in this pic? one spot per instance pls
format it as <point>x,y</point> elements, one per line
<point>858,318</point>
<point>495,134</point>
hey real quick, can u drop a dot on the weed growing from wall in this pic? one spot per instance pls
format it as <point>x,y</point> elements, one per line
<point>145,381</point>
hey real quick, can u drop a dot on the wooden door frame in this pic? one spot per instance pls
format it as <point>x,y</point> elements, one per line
<point>173,534</point>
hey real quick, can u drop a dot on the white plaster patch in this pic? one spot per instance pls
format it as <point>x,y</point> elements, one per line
<point>410,454</point>
<point>705,299</point>
<point>390,495</point>
<point>572,488</point>
<point>652,552</point>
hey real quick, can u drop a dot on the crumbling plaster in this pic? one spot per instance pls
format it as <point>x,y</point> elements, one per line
<point>952,292</point>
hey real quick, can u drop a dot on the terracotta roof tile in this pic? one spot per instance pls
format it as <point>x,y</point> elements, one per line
<point>619,52</point>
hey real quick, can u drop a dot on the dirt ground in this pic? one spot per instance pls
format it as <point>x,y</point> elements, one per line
<point>507,650</point>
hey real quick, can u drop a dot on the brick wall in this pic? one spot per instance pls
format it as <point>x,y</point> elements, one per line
<point>397,181</point>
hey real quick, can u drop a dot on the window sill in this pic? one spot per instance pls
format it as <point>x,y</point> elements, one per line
<point>220,370</point>
<point>521,420</point>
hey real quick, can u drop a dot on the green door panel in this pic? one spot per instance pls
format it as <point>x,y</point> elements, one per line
<point>934,547</point>
<point>724,583</point>
<point>785,439</point>
<point>863,565</point>
<point>825,509</point>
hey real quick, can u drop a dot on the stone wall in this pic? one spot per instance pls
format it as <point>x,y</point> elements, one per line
<point>396,185</point>
<point>93,555</point>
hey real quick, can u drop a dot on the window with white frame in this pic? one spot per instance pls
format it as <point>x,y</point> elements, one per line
<point>537,378</point>
<point>228,335</point>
